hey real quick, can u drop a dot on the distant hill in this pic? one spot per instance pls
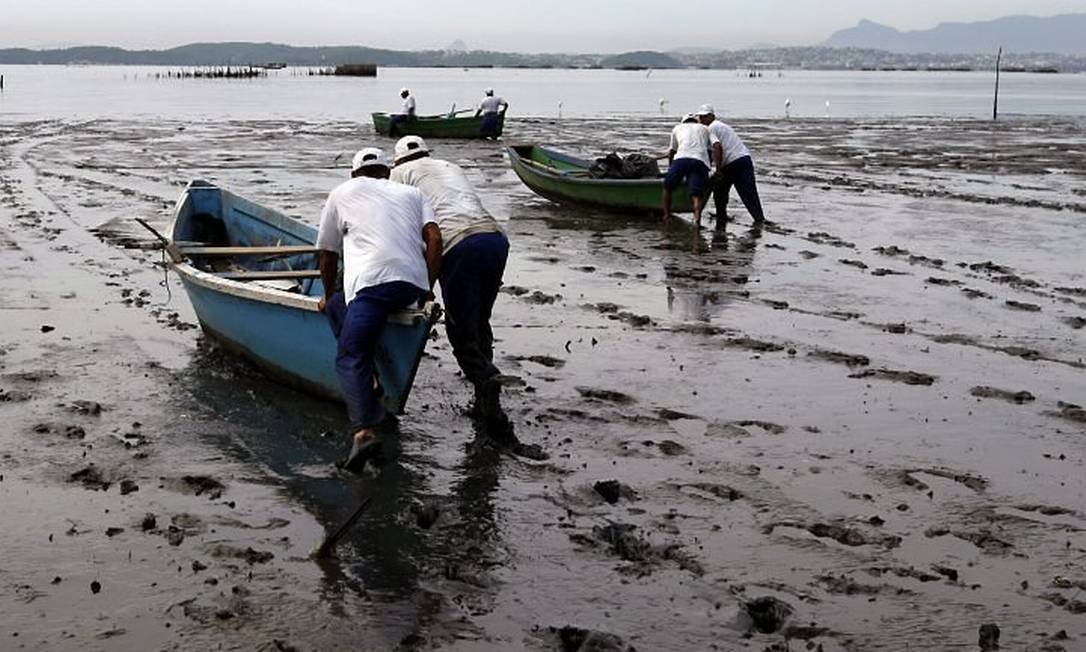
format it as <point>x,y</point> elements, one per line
<point>641,59</point>
<point>1064,34</point>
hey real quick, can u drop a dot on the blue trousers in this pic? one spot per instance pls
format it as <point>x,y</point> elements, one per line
<point>397,119</point>
<point>738,173</point>
<point>471,275</point>
<point>489,126</point>
<point>357,328</point>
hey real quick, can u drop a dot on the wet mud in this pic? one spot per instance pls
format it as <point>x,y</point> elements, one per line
<point>857,427</point>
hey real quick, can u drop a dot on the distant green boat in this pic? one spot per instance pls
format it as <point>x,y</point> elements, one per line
<point>437,126</point>
<point>564,179</point>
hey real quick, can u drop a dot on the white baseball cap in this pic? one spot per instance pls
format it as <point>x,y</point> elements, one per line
<point>408,146</point>
<point>488,91</point>
<point>404,90</point>
<point>689,117</point>
<point>367,158</point>
<point>706,109</point>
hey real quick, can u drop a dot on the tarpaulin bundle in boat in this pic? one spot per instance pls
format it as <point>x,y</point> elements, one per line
<point>632,166</point>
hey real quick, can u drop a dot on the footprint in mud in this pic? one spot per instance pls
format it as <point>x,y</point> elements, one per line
<point>67,431</point>
<point>613,490</point>
<point>972,293</point>
<point>621,540</point>
<point>883,271</point>
<point>982,539</point>
<point>91,478</point>
<point>859,264</point>
<point>542,360</point>
<point>843,534</point>
<point>943,282</point>
<point>1070,412</point>
<point>1076,322</point>
<point>577,639</point>
<point>821,237</point>
<point>897,376</point>
<point>197,485</point>
<point>1019,397</point>
<point>751,344</point>
<point>721,491</point>
<point>809,255</point>
<point>908,478</point>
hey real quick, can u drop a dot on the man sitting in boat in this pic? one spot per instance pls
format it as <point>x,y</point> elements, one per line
<point>406,114</point>
<point>391,247</point>
<point>472,266</point>
<point>491,108</point>
<point>733,167</point>
<point>688,161</point>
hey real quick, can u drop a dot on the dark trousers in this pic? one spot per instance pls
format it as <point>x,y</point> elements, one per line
<point>489,126</point>
<point>471,275</point>
<point>738,173</point>
<point>357,328</point>
<point>395,120</point>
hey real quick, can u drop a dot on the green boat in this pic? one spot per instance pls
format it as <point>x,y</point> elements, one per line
<point>437,126</point>
<point>565,179</point>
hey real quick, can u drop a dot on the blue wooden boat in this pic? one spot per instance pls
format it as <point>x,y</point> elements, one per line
<point>251,275</point>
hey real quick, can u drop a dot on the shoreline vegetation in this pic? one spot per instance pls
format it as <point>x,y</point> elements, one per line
<point>228,55</point>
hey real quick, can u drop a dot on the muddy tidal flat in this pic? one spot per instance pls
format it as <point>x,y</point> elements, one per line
<point>861,428</point>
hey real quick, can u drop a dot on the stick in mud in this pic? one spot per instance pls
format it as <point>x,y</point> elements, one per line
<point>325,548</point>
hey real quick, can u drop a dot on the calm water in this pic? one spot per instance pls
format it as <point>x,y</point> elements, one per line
<point>118,91</point>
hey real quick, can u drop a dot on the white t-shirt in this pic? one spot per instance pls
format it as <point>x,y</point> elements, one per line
<point>491,104</point>
<point>459,211</point>
<point>692,140</point>
<point>733,146</point>
<point>376,225</point>
<point>409,105</point>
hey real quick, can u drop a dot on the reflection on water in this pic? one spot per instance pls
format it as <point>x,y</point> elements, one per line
<point>701,284</point>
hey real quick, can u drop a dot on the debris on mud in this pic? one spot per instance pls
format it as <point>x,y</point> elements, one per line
<point>606,395</point>
<point>989,637</point>
<point>577,639</point>
<point>621,540</point>
<point>248,555</point>
<point>1021,305</point>
<point>840,358</point>
<point>67,431</point>
<point>1019,397</point>
<point>199,485</point>
<point>897,376</point>
<point>612,490</point>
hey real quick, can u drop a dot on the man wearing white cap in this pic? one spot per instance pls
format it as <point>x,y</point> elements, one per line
<point>491,108</point>
<point>688,161</point>
<point>406,114</point>
<point>391,247</point>
<point>734,167</point>
<point>475,253</point>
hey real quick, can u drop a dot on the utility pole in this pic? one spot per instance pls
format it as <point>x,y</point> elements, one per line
<point>995,101</point>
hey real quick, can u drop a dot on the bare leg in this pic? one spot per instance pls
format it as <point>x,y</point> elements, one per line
<point>667,206</point>
<point>697,211</point>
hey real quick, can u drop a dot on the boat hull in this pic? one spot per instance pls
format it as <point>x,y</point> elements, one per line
<point>436,126</point>
<point>281,332</point>
<point>563,179</point>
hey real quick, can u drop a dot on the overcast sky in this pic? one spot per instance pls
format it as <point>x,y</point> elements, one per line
<point>511,25</point>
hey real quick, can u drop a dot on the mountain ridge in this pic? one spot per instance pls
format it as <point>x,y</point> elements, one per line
<point>1061,34</point>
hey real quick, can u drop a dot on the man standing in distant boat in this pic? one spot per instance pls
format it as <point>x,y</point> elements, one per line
<point>734,167</point>
<point>491,108</point>
<point>688,161</point>
<point>391,247</point>
<point>406,114</point>
<point>475,253</point>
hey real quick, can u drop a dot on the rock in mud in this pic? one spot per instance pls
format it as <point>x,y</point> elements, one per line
<point>148,523</point>
<point>114,531</point>
<point>90,408</point>
<point>609,490</point>
<point>1075,322</point>
<point>577,639</point>
<point>91,478</point>
<point>753,345</point>
<point>1072,412</point>
<point>671,448</point>
<point>859,264</point>
<point>607,395</point>
<point>248,555</point>
<point>542,360</point>
<point>128,486</point>
<point>989,637</point>
<point>768,614</point>
<point>201,485</point>
<point>1020,397</point>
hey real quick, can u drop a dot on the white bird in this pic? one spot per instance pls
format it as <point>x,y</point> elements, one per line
<point>788,108</point>
<point>663,106</point>
<point>559,110</point>
<point>827,108</point>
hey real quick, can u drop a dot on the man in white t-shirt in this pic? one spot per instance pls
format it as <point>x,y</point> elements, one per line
<point>391,247</point>
<point>491,108</point>
<point>734,167</point>
<point>688,161</point>
<point>472,265</point>
<point>406,114</point>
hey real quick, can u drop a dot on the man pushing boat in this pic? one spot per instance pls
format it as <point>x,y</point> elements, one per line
<point>391,247</point>
<point>475,253</point>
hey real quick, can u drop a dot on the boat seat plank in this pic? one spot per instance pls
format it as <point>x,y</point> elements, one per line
<point>282,250</point>
<point>270,275</point>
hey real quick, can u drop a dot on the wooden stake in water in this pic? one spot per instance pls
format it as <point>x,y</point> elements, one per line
<point>995,101</point>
